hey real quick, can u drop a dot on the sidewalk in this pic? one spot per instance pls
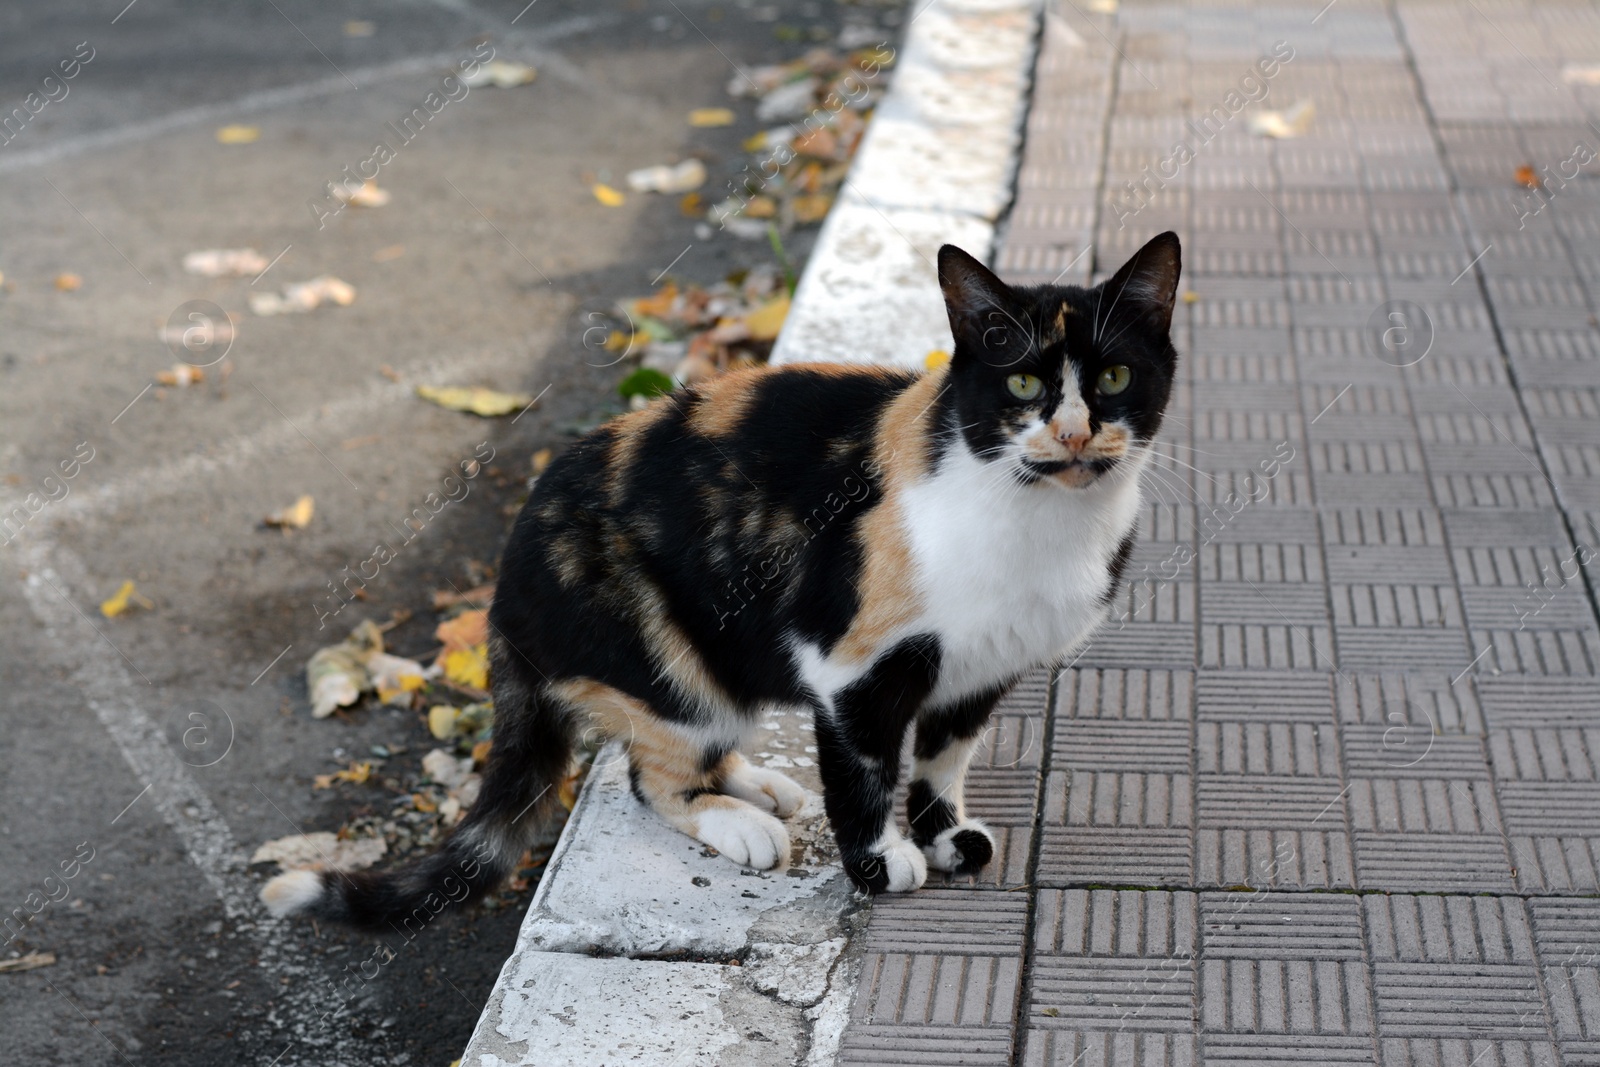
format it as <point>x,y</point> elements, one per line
<point>1328,792</point>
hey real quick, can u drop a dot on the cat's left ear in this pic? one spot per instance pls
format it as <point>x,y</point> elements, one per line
<point>1147,285</point>
<point>980,305</point>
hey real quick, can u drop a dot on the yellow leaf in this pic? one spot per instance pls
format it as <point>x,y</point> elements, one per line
<point>936,359</point>
<point>422,803</point>
<point>760,207</point>
<point>69,282</point>
<point>608,196</point>
<point>478,401</point>
<point>1191,297</point>
<point>711,116</point>
<point>541,460</point>
<point>293,517</point>
<point>355,774</point>
<point>480,752</point>
<point>442,721</point>
<point>812,207</point>
<point>468,666</point>
<point>765,321</point>
<point>238,134</point>
<point>125,597</point>
<point>755,142</point>
<point>465,630</point>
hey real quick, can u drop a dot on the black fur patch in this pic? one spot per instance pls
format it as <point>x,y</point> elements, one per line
<point>1119,565</point>
<point>975,848</point>
<point>930,815</point>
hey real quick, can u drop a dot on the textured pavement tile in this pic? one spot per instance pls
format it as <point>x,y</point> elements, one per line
<point>935,990</point>
<point>1110,922</point>
<point>912,1045</point>
<point>950,921</point>
<point>1419,861</point>
<point>1127,1048</point>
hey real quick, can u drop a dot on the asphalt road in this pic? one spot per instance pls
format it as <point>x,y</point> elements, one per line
<point>162,954</point>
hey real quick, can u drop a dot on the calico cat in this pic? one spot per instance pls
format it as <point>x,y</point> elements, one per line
<point>892,550</point>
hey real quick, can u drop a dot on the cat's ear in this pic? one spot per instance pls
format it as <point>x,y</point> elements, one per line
<point>1147,285</point>
<point>979,304</point>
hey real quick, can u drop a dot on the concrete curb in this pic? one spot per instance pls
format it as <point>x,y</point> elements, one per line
<point>639,946</point>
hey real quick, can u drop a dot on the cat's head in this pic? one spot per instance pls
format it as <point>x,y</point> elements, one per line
<point>1061,382</point>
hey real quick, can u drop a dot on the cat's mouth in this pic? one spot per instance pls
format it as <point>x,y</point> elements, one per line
<point>1071,472</point>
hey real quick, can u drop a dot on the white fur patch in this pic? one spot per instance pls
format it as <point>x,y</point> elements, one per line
<point>942,853</point>
<point>291,892</point>
<point>766,789</point>
<point>904,862</point>
<point>746,836</point>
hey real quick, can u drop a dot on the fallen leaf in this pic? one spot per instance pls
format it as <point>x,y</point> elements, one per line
<point>711,116</point>
<point>446,769</point>
<point>467,666</point>
<point>1191,297</point>
<point>500,73</point>
<point>1282,125</point>
<point>388,252</point>
<point>692,206</point>
<point>359,28</point>
<point>304,296</point>
<point>395,678</point>
<point>180,375</point>
<point>646,382</point>
<point>321,851</point>
<point>367,194</point>
<point>813,207</point>
<point>474,399</point>
<point>32,961</point>
<point>608,196</point>
<point>337,675</point>
<point>760,207</point>
<point>423,803</point>
<point>294,517</point>
<point>238,134</point>
<point>67,282</point>
<point>480,594</point>
<point>480,753</point>
<point>465,630</point>
<point>765,322</point>
<point>442,721</point>
<point>1527,176</point>
<point>355,774</point>
<point>936,359</point>
<point>125,597</point>
<point>541,460</point>
<point>225,262</point>
<point>690,174</point>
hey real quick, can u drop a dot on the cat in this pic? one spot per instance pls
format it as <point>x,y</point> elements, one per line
<point>891,549</point>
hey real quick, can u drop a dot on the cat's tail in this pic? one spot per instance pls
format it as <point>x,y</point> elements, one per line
<point>531,755</point>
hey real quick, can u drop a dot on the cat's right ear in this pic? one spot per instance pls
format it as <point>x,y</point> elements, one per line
<point>982,312</point>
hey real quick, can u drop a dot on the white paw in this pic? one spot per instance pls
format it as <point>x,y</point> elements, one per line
<point>766,789</point>
<point>904,863</point>
<point>967,845</point>
<point>746,836</point>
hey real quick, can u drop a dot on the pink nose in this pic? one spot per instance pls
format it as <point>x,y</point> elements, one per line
<point>1074,437</point>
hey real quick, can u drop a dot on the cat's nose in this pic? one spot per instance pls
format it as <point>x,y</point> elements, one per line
<point>1075,435</point>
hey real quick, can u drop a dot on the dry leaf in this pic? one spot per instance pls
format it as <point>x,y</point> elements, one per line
<point>812,207</point>
<point>480,752</point>
<point>355,774</point>
<point>476,400</point>
<point>32,961</point>
<point>541,460</point>
<point>180,375</point>
<point>765,322</point>
<point>465,630</point>
<point>442,721</point>
<point>1191,297</point>
<point>294,517</point>
<point>690,174</point>
<point>445,768</point>
<point>1290,122</point>
<point>67,282</point>
<point>337,675</point>
<point>367,194</point>
<point>500,73</point>
<point>225,262</point>
<point>760,207</point>
<point>124,598</point>
<point>238,134</point>
<point>321,851</point>
<point>711,116</point>
<point>423,803</point>
<point>396,678</point>
<point>304,296</point>
<point>467,666</point>
<point>1528,177</point>
<point>608,196</point>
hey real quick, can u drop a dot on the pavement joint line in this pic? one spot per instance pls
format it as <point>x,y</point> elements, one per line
<point>497,230</point>
<point>1332,402</point>
<point>1113,45</point>
<point>271,665</point>
<point>97,230</point>
<point>131,803</point>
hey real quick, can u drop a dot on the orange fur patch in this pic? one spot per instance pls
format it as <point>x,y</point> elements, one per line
<point>723,403</point>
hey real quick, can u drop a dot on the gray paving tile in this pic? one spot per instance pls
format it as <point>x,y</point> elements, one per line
<point>949,922</point>
<point>938,990</point>
<point>1108,1048</point>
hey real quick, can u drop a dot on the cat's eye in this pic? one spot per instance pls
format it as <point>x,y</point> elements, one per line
<point>1024,386</point>
<point>1114,380</point>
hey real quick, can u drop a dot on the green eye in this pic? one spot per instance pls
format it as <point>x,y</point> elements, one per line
<point>1114,380</point>
<point>1024,386</point>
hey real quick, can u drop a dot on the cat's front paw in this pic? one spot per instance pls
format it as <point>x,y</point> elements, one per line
<point>895,866</point>
<point>744,835</point>
<point>966,846</point>
<point>766,789</point>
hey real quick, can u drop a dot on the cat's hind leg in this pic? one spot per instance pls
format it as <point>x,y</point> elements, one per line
<point>766,789</point>
<point>936,803</point>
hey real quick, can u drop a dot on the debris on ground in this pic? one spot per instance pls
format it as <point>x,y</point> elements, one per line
<point>127,596</point>
<point>1581,74</point>
<point>67,282</point>
<point>608,196</point>
<point>337,675</point>
<point>475,399</point>
<point>355,774</point>
<point>225,262</point>
<point>388,252</point>
<point>500,73</point>
<point>294,517</point>
<point>478,595</point>
<point>181,375</point>
<point>321,851</point>
<point>359,28</point>
<point>367,194</point>
<point>31,962</point>
<point>1291,122</point>
<point>301,297</point>
<point>238,134</point>
<point>661,178</point>
<point>687,333</point>
<point>1527,177</point>
<point>708,117</point>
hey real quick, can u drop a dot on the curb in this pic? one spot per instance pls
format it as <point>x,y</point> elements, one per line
<point>637,946</point>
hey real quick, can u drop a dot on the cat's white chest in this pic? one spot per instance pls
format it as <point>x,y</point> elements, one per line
<point>1010,576</point>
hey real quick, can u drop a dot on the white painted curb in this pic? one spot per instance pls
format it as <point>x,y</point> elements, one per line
<point>624,954</point>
